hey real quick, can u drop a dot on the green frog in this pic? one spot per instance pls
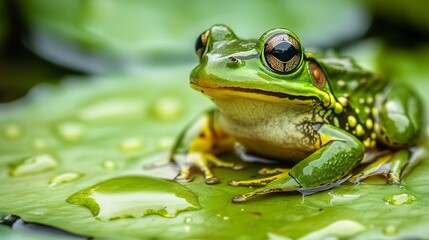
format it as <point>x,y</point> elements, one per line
<point>322,112</point>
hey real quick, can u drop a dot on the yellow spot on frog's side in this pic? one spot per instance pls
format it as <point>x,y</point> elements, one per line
<point>352,121</point>
<point>370,100</point>
<point>369,123</point>
<point>374,111</point>
<point>338,108</point>
<point>336,122</point>
<point>373,143</point>
<point>359,130</point>
<point>357,110</point>
<point>367,142</point>
<point>376,127</point>
<point>361,101</point>
<point>373,135</point>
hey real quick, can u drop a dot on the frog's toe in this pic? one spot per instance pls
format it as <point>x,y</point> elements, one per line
<point>246,196</point>
<point>219,163</point>
<point>212,180</point>
<point>271,171</point>
<point>393,179</point>
<point>279,173</point>
<point>252,183</point>
<point>284,184</point>
<point>390,166</point>
<point>202,162</point>
<point>258,192</point>
<point>184,175</point>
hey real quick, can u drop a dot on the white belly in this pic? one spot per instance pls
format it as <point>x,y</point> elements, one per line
<point>269,129</point>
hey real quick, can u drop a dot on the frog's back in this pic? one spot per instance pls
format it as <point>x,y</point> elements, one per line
<point>376,111</point>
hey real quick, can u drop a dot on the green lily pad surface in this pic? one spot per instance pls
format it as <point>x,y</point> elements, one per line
<point>91,157</point>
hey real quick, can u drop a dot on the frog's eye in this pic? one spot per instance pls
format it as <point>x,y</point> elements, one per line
<point>201,44</point>
<point>282,53</point>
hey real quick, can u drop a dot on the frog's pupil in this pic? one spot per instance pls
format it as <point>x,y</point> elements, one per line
<point>284,51</point>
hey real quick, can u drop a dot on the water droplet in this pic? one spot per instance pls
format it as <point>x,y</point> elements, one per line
<point>109,165</point>
<point>71,131</point>
<point>342,198</point>
<point>390,230</point>
<point>337,230</point>
<point>187,228</point>
<point>32,165</point>
<point>187,220</point>
<point>400,199</point>
<point>275,236</point>
<point>167,108</point>
<point>165,143</point>
<point>131,144</point>
<point>39,143</point>
<point>135,197</point>
<point>113,109</point>
<point>64,178</point>
<point>12,131</point>
<point>225,218</point>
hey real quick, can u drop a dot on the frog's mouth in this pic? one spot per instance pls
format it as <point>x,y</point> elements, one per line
<point>258,94</point>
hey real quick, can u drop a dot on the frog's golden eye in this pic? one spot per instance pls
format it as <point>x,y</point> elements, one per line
<point>282,53</point>
<point>201,44</point>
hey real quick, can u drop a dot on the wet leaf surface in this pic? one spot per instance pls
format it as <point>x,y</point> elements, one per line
<point>114,131</point>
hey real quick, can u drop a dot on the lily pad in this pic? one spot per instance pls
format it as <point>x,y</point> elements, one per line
<point>115,133</point>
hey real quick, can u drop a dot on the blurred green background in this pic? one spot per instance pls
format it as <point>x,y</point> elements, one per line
<point>77,76</point>
<point>43,40</point>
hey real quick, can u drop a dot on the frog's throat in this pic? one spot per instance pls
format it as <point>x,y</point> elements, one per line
<point>257,94</point>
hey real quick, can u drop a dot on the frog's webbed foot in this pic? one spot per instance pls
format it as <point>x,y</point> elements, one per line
<point>203,162</point>
<point>389,165</point>
<point>278,173</point>
<point>197,146</point>
<point>283,182</point>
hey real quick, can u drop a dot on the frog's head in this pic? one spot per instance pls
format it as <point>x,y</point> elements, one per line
<point>273,68</point>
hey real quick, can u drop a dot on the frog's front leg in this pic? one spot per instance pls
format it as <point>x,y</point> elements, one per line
<point>339,153</point>
<point>197,146</point>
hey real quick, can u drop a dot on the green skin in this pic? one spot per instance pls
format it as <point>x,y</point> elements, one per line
<point>327,121</point>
